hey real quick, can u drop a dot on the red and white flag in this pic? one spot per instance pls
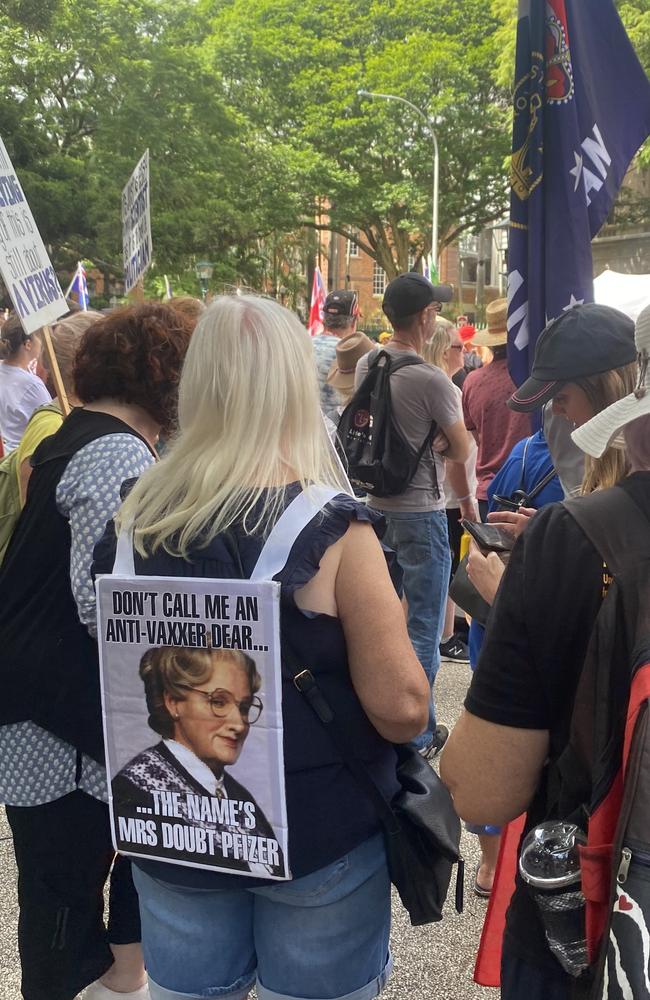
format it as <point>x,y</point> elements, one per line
<point>317,304</point>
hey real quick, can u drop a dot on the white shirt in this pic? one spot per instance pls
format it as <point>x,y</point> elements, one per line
<point>20,394</point>
<point>199,771</point>
<point>214,786</point>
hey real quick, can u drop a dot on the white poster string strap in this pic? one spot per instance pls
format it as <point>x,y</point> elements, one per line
<point>277,547</point>
<point>124,564</point>
<point>286,529</point>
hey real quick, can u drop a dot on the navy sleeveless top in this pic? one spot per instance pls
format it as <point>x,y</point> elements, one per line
<point>328,815</point>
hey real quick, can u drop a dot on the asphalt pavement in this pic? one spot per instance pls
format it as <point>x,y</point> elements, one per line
<point>430,962</point>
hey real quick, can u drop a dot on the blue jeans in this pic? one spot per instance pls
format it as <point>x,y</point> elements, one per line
<point>323,936</point>
<point>421,544</point>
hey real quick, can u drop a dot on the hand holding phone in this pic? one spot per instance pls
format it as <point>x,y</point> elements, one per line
<point>489,537</point>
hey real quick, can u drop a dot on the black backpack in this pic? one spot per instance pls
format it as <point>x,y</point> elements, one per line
<point>601,781</point>
<point>378,457</point>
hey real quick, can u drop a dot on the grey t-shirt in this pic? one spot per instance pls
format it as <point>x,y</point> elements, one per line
<point>420,394</point>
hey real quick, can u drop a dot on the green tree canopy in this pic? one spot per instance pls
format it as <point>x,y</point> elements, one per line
<point>295,70</point>
<point>250,110</point>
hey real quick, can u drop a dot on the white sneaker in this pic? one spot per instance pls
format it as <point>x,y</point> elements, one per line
<point>97,991</point>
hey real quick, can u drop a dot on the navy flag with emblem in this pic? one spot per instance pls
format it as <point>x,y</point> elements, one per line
<point>581,111</point>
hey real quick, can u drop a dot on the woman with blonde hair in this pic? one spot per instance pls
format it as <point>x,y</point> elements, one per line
<point>436,349</point>
<point>251,439</point>
<point>445,350</point>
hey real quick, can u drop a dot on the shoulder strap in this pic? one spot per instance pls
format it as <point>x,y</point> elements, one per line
<point>124,564</point>
<point>536,490</point>
<point>303,679</point>
<point>286,529</point>
<point>522,480</point>
<point>614,524</point>
<point>277,547</point>
<point>394,363</point>
<point>73,436</point>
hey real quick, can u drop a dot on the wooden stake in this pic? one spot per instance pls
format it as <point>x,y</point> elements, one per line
<point>55,372</point>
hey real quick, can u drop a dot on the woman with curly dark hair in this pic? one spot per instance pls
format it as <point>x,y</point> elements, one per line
<point>52,775</point>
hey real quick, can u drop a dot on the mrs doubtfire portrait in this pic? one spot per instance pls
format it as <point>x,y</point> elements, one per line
<point>202,703</point>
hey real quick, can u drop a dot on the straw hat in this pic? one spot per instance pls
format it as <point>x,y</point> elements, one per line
<point>496,316</point>
<point>348,352</point>
<point>600,432</point>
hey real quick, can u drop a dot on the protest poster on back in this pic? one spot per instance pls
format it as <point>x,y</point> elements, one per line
<point>192,702</point>
<point>136,224</point>
<point>24,263</point>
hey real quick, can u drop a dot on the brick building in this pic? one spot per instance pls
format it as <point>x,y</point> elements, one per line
<point>345,265</point>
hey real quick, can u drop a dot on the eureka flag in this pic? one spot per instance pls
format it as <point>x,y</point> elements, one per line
<point>581,111</point>
<point>317,304</point>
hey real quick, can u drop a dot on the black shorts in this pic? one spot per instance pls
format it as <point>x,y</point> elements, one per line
<point>64,855</point>
<point>523,981</point>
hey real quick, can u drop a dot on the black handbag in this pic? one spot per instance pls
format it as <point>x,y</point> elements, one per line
<point>421,827</point>
<point>463,593</point>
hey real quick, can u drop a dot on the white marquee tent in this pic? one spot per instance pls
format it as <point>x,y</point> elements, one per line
<point>627,292</point>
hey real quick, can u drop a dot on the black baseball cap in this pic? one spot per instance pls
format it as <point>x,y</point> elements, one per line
<point>341,302</point>
<point>410,293</point>
<point>586,340</point>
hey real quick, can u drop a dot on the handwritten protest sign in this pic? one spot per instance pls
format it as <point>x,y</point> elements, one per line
<point>191,690</point>
<point>24,263</point>
<point>136,224</point>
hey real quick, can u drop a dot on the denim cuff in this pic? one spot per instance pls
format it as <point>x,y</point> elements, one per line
<point>367,992</point>
<point>238,991</point>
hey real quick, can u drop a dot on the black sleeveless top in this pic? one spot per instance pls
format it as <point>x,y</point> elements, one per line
<point>49,668</point>
<point>327,813</point>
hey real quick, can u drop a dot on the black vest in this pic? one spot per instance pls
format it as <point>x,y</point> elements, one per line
<point>49,671</point>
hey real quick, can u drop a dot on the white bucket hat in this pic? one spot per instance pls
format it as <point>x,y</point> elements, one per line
<point>600,432</point>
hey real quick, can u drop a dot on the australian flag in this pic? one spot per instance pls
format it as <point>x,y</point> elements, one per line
<point>581,111</point>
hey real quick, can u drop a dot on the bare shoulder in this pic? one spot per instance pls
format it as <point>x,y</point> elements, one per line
<point>357,544</point>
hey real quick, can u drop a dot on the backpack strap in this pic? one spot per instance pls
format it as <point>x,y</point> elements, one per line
<point>522,480</point>
<point>395,364</point>
<point>614,524</point>
<point>536,490</point>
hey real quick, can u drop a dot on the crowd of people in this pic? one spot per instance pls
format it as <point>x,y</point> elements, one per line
<point>191,432</point>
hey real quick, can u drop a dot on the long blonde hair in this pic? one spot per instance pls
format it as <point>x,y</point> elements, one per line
<point>602,390</point>
<point>435,347</point>
<point>249,418</point>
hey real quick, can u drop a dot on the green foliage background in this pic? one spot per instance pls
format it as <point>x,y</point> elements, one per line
<point>251,114</point>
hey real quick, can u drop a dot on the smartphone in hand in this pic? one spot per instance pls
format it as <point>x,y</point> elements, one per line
<point>489,537</point>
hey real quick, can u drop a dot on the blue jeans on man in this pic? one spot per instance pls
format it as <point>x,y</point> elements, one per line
<point>421,543</point>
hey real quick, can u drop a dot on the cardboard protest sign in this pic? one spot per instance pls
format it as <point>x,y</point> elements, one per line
<point>24,263</point>
<point>136,224</point>
<point>191,691</point>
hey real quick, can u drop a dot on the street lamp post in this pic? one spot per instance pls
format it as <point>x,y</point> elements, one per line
<point>436,163</point>
<point>204,270</point>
